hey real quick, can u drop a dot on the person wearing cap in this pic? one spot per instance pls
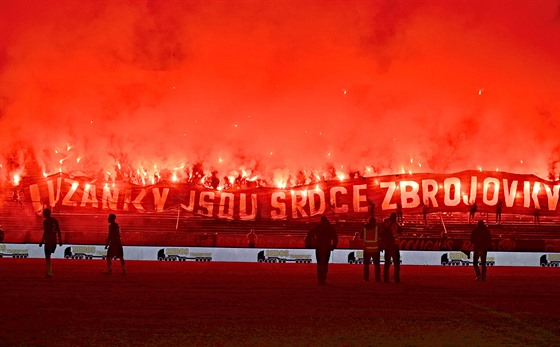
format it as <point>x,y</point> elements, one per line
<point>371,248</point>
<point>390,235</point>
<point>482,242</point>
<point>51,229</point>
<point>325,239</point>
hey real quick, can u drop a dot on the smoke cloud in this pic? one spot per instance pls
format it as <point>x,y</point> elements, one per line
<point>277,87</point>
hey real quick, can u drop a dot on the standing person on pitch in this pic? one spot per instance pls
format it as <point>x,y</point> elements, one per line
<point>325,239</point>
<point>371,249</point>
<point>51,229</point>
<point>390,234</point>
<point>114,245</point>
<point>482,242</point>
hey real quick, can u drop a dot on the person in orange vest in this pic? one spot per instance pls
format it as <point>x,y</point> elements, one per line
<point>371,244</point>
<point>390,235</point>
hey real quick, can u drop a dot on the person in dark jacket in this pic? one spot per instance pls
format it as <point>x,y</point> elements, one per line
<point>323,236</point>
<point>482,242</point>
<point>51,229</point>
<point>390,235</point>
<point>472,212</point>
<point>114,245</point>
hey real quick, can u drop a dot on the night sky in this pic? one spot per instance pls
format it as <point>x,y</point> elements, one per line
<point>274,87</point>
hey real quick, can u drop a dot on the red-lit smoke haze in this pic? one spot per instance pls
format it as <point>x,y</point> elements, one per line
<point>280,86</point>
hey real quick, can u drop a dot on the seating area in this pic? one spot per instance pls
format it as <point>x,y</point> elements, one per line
<point>178,228</point>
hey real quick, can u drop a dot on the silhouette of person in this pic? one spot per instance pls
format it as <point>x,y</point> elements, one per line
<point>114,245</point>
<point>399,213</point>
<point>371,210</point>
<point>444,241</point>
<point>482,242</point>
<point>472,212</point>
<point>51,229</point>
<point>371,248</point>
<point>325,239</point>
<point>252,238</point>
<point>537,215</point>
<point>214,180</point>
<point>17,197</point>
<point>1,234</point>
<point>499,208</point>
<point>425,208</point>
<point>390,236</point>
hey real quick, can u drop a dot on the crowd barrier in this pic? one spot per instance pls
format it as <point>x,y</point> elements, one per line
<point>275,255</point>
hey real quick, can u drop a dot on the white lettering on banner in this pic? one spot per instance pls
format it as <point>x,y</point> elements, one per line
<point>358,198</point>
<point>89,189</point>
<point>471,198</point>
<point>137,203</point>
<point>73,187</point>
<point>534,196</point>
<point>313,211</point>
<point>243,207</point>
<point>226,200</point>
<point>430,194</point>
<point>127,199</point>
<point>552,196</point>
<point>526,194</point>
<point>386,204</point>
<point>496,183</point>
<point>35,197</point>
<point>510,192</point>
<point>52,199</point>
<point>207,204</point>
<point>159,200</point>
<point>190,206</point>
<point>110,199</point>
<point>281,213</point>
<point>409,198</point>
<point>448,183</point>
<point>333,192</point>
<point>446,191</point>
<point>299,200</point>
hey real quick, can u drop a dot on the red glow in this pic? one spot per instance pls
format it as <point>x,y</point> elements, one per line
<point>270,87</point>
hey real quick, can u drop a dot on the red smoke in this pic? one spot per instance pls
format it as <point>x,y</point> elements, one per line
<point>278,87</point>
